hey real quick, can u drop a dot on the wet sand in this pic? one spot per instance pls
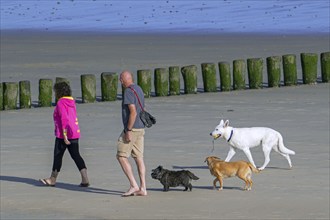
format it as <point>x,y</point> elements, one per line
<point>35,55</point>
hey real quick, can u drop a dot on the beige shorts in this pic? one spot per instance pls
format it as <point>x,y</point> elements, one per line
<point>135,147</point>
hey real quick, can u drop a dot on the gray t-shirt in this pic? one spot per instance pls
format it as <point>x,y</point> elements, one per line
<point>130,98</point>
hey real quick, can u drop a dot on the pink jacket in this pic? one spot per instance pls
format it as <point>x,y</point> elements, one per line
<point>65,117</point>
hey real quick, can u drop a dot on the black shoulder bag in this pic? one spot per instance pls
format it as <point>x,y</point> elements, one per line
<point>147,119</point>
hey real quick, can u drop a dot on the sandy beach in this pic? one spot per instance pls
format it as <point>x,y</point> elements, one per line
<point>179,140</point>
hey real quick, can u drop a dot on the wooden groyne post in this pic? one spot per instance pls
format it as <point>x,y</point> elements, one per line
<point>144,81</point>
<point>325,66</point>
<point>239,72</point>
<point>109,86</point>
<point>189,74</point>
<point>1,96</point>
<point>24,94</point>
<point>174,80</point>
<point>88,88</point>
<point>225,78</point>
<point>255,72</point>
<point>274,71</point>
<point>209,77</point>
<point>161,81</point>
<point>62,79</point>
<point>289,69</point>
<point>10,95</point>
<point>45,92</point>
<point>309,67</point>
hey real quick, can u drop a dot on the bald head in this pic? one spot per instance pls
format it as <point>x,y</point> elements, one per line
<point>126,78</point>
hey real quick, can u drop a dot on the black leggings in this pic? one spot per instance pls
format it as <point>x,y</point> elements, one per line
<point>73,149</point>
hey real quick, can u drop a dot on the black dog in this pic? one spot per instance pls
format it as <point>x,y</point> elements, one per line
<point>173,178</point>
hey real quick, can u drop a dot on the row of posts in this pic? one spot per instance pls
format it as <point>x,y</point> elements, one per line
<point>167,81</point>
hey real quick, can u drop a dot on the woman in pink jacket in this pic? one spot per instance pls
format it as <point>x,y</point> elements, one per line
<point>67,134</point>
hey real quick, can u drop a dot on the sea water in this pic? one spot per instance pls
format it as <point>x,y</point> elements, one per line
<point>167,16</point>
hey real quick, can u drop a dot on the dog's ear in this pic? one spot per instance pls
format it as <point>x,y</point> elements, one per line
<point>226,123</point>
<point>221,122</point>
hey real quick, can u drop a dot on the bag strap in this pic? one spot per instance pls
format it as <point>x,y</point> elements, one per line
<point>137,98</point>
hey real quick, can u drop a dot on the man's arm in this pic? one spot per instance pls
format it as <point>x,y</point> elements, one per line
<point>131,121</point>
<point>132,116</point>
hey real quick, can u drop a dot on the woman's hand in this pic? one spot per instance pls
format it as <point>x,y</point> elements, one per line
<point>66,141</point>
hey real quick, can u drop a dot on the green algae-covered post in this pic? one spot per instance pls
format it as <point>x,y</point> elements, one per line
<point>62,79</point>
<point>10,95</point>
<point>225,79</point>
<point>289,69</point>
<point>144,81</point>
<point>174,80</point>
<point>255,72</point>
<point>1,96</point>
<point>161,81</point>
<point>309,67</point>
<point>209,77</point>
<point>88,88</point>
<point>325,66</point>
<point>239,72</point>
<point>189,74</point>
<point>24,94</point>
<point>45,92</point>
<point>274,71</point>
<point>109,86</point>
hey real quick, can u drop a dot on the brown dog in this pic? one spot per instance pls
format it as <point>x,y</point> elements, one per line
<point>221,169</point>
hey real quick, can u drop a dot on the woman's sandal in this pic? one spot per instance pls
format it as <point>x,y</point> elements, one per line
<point>46,183</point>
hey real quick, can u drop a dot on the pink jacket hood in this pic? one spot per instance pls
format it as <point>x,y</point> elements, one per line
<point>65,117</point>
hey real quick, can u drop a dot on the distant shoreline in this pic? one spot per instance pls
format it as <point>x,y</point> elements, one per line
<point>156,33</point>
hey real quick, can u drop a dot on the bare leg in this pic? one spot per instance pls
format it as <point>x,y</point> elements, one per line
<point>84,177</point>
<point>127,168</point>
<point>142,174</point>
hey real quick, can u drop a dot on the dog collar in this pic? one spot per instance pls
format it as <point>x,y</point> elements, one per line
<point>231,134</point>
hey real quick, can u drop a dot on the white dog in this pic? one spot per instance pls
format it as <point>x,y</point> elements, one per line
<point>246,138</point>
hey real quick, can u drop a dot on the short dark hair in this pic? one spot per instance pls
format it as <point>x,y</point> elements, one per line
<point>62,89</point>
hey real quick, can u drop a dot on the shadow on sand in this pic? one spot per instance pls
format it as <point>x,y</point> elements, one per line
<point>189,167</point>
<point>180,189</point>
<point>59,185</point>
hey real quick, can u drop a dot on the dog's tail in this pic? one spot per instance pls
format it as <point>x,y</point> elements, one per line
<point>254,170</point>
<point>282,148</point>
<point>192,176</point>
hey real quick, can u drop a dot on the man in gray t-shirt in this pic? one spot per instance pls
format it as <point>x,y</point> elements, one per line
<point>130,98</point>
<point>131,140</point>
